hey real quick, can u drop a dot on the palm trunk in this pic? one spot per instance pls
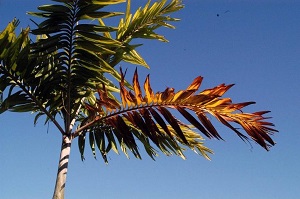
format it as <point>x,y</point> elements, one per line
<point>62,169</point>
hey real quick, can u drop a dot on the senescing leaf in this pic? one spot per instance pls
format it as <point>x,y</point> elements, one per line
<point>150,115</point>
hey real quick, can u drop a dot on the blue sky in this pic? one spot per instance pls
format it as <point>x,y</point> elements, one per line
<point>254,45</point>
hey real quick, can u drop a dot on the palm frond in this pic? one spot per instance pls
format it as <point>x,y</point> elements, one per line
<point>143,24</point>
<point>146,20</point>
<point>14,76</point>
<point>18,74</point>
<point>69,52</point>
<point>147,117</point>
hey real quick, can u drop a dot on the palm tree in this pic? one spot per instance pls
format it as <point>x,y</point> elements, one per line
<point>66,76</point>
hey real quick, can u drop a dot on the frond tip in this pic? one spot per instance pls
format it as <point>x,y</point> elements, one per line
<point>148,116</point>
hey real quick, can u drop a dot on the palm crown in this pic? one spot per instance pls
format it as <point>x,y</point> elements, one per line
<point>67,71</point>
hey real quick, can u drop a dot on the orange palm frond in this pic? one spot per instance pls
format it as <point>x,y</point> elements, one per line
<point>208,101</point>
<point>148,115</point>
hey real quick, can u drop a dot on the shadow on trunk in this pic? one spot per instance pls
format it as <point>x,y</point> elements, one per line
<point>62,169</point>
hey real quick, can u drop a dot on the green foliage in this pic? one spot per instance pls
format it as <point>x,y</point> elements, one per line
<point>16,70</point>
<point>142,24</point>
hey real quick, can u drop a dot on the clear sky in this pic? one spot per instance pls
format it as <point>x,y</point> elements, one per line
<point>253,44</point>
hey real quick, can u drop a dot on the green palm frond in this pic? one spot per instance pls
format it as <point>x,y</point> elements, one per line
<point>19,76</point>
<point>143,24</point>
<point>13,71</point>
<point>146,20</point>
<point>69,52</point>
<point>146,117</point>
